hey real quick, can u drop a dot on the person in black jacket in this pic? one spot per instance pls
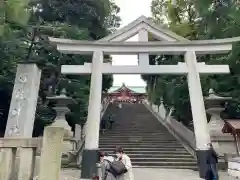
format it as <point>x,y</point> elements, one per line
<point>209,174</point>
<point>212,161</point>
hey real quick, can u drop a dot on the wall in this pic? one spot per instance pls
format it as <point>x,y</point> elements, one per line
<point>177,129</point>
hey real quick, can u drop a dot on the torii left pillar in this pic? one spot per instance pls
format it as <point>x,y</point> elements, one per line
<point>91,151</point>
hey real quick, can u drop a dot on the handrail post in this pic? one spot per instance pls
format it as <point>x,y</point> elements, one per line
<point>50,162</point>
<point>26,163</point>
<point>7,161</point>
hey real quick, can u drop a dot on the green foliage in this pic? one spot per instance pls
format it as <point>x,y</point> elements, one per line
<point>26,39</point>
<point>197,20</point>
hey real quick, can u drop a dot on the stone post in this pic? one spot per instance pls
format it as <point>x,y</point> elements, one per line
<point>90,153</point>
<point>143,57</point>
<point>51,153</point>
<point>23,108</point>
<point>7,160</point>
<point>78,134</point>
<point>198,112</point>
<point>162,110</point>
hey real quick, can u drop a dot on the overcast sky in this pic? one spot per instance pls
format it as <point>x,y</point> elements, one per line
<point>130,10</point>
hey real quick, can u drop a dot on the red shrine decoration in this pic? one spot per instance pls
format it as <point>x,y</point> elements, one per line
<point>232,126</point>
<point>126,94</point>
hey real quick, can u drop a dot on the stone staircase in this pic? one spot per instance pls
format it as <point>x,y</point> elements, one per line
<point>144,139</point>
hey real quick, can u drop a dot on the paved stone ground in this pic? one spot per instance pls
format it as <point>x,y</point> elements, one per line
<point>152,174</point>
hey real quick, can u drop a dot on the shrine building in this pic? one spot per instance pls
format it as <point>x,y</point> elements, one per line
<point>130,94</point>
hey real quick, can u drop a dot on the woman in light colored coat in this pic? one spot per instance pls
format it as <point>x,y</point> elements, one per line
<point>127,162</point>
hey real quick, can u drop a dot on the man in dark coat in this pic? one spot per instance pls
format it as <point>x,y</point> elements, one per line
<point>212,161</point>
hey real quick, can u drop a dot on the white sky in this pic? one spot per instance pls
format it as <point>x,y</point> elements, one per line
<point>130,10</point>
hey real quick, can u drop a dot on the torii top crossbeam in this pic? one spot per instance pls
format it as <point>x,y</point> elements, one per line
<point>199,46</point>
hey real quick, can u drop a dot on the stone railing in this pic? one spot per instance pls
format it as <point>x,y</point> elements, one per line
<point>175,127</point>
<point>50,156</point>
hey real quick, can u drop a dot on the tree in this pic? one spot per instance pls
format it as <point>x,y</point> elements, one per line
<point>11,50</point>
<point>198,20</point>
<point>79,19</point>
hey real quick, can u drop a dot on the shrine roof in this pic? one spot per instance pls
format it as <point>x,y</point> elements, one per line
<point>134,89</point>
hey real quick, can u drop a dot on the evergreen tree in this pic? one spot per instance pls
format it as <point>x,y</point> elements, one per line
<point>27,40</point>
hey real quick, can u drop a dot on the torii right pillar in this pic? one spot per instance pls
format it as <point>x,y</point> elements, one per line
<point>198,112</point>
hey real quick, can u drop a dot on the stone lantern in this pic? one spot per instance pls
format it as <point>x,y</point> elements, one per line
<point>61,101</point>
<point>162,109</point>
<point>214,106</point>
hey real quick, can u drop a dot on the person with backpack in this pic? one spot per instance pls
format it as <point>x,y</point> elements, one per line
<point>105,161</point>
<point>124,158</point>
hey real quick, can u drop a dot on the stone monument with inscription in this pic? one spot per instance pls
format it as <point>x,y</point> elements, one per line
<point>22,110</point>
<point>24,101</point>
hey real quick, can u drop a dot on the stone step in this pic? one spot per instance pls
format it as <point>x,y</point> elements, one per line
<point>139,123</point>
<point>151,163</point>
<point>147,151</point>
<point>162,159</point>
<point>142,129</point>
<point>135,127</point>
<point>195,168</point>
<point>157,155</point>
<point>119,141</point>
<point>137,133</point>
<point>134,135</point>
<point>113,142</point>
<point>147,143</point>
<point>137,138</point>
<point>143,146</point>
<point>130,133</point>
<point>137,150</point>
<point>165,155</point>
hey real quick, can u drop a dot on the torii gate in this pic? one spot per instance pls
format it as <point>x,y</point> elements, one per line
<point>169,44</point>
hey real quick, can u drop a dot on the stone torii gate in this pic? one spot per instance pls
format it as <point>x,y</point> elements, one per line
<point>170,44</point>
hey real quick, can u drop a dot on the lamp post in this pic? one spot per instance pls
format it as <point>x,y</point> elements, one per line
<point>61,101</point>
<point>214,106</point>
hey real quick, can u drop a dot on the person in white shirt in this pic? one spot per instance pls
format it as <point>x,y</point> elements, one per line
<point>121,156</point>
